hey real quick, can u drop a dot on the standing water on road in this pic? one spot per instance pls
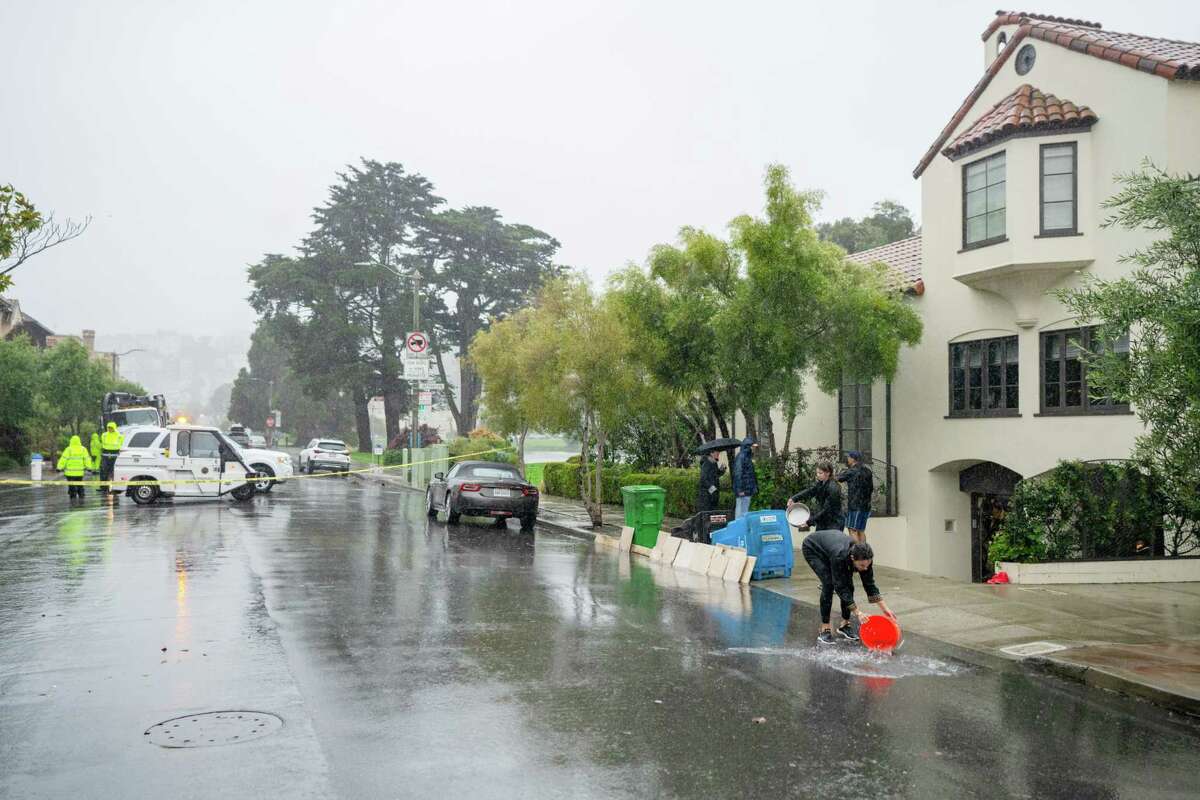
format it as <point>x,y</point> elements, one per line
<point>412,658</point>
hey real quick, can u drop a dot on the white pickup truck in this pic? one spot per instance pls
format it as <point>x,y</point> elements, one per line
<point>182,461</point>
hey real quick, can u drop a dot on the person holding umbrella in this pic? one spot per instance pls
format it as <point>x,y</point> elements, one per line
<point>709,495</point>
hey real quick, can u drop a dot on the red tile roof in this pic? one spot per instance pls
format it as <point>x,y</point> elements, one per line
<point>1026,111</point>
<point>1017,17</point>
<point>903,260</point>
<point>1167,58</point>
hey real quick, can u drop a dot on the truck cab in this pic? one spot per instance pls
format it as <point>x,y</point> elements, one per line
<point>182,461</point>
<point>129,410</point>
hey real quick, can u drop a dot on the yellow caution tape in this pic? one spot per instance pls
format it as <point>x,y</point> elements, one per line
<point>294,477</point>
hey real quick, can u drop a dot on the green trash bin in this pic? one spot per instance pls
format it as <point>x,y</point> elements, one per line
<point>644,512</point>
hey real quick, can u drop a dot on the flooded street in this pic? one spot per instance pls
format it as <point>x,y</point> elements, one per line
<point>409,658</point>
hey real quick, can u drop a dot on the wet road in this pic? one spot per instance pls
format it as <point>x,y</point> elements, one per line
<point>408,658</point>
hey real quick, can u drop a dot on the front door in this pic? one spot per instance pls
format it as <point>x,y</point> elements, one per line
<point>987,514</point>
<point>200,452</point>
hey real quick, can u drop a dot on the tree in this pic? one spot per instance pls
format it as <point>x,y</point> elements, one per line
<point>25,232</point>
<point>308,408</point>
<point>888,222</point>
<point>503,359</point>
<point>480,270</point>
<point>73,384</point>
<point>1158,307</point>
<point>19,383</point>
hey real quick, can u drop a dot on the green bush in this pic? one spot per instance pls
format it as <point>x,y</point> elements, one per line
<point>1081,510</point>
<point>482,441</point>
<point>561,480</point>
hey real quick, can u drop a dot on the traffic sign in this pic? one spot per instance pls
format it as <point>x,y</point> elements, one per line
<point>416,369</point>
<point>416,342</point>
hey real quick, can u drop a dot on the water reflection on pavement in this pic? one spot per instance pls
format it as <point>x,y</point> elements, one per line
<point>411,658</point>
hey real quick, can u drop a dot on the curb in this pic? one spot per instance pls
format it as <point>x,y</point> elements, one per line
<point>1099,678</point>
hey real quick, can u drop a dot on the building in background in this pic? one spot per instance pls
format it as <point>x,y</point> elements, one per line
<point>1011,189</point>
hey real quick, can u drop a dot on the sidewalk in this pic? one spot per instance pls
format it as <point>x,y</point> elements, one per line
<point>1138,639</point>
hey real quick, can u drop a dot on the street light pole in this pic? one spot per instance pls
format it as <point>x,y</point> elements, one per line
<point>415,389</point>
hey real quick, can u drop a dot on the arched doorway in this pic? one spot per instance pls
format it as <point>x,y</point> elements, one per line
<point>991,487</point>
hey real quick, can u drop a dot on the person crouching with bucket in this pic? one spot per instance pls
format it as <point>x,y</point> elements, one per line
<point>835,557</point>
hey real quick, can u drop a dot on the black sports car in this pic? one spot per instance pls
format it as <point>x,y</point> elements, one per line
<point>483,489</point>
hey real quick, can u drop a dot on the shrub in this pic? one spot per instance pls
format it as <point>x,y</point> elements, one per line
<point>1082,510</point>
<point>486,440</point>
<point>561,480</point>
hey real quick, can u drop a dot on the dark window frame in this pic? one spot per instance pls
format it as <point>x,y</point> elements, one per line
<point>1086,407</point>
<point>1005,410</point>
<point>857,408</point>
<point>1003,237</point>
<point>1074,229</point>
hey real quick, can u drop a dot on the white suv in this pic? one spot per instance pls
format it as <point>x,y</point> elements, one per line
<point>182,461</point>
<point>328,454</point>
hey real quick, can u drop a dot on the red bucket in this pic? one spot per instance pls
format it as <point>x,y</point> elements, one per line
<point>880,633</point>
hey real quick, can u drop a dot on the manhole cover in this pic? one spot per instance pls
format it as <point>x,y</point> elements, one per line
<point>213,728</point>
<point>1032,649</point>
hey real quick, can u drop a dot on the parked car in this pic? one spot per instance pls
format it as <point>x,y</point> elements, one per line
<point>483,489</point>
<point>257,440</point>
<point>325,454</point>
<point>239,434</point>
<point>162,460</point>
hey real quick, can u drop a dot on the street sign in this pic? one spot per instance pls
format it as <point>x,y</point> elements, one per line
<point>416,342</point>
<point>377,449</point>
<point>424,398</point>
<point>416,369</point>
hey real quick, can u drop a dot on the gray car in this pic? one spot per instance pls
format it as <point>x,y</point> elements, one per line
<point>483,489</point>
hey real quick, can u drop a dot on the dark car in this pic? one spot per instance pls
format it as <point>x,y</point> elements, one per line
<point>483,489</point>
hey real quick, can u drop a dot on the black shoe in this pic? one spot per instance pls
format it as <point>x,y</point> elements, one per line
<point>825,637</point>
<point>846,632</point>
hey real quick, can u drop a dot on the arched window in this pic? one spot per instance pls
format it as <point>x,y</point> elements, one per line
<point>1001,41</point>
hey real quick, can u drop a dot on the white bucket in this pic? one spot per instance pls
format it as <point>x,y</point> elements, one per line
<point>798,515</point>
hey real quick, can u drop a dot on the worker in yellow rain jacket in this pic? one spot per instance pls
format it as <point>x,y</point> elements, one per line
<point>94,449</point>
<point>110,447</point>
<point>73,462</point>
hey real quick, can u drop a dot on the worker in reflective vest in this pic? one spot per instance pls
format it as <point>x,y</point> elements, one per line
<point>94,449</point>
<point>110,447</point>
<point>73,462</point>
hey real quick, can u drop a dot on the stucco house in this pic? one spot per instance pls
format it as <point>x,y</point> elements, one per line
<point>1011,190</point>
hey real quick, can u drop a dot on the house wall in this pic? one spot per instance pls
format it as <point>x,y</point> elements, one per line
<point>1140,116</point>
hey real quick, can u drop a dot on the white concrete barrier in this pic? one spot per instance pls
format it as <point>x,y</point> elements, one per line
<point>1143,570</point>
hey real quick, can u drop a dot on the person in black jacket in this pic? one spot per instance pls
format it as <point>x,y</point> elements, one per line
<point>860,484</point>
<point>827,497</point>
<point>745,480</point>
<point>835,557</point>
<point>709,496</point>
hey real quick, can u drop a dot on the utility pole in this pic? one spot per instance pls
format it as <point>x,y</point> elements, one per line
<point>415,388</point>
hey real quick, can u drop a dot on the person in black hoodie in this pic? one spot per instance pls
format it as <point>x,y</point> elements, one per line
<point>860,484</point>
<point>709,496</point>
<point>835,557</point>
<point>827,497</point>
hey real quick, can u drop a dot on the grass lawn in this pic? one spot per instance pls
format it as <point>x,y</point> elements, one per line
<point>365,459</point>
<point>533,473</point>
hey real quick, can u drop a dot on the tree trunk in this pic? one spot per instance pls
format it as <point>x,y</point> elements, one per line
<point>449,392</point>
<point>521,449</point>
<point>787,440</point>
<point>751,424</point>
<point>393,397</point>
<point>716,410</point>
<point>596,510</point>
<point>362,420</point>
<point>765,421</point>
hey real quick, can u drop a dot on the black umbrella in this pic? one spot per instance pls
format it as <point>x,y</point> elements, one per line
<point>717,444</point>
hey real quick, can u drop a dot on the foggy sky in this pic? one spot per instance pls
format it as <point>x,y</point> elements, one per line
<point>199,135</point>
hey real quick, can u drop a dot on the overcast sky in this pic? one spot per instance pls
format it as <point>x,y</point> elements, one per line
<point>199,135</point>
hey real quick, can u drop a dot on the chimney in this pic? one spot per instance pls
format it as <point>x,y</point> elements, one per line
<point>89,340</point>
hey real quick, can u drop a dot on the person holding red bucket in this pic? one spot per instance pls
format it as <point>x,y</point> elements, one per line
<point>835,557</point>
